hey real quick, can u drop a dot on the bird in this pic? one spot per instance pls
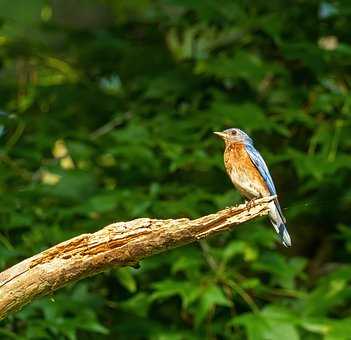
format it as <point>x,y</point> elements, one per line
<point>250,175</point>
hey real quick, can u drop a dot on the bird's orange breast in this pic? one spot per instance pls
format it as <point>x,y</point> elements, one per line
<point>242,171</point>
<point>235,155</point>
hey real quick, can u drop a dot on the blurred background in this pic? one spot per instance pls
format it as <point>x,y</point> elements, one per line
<point>107,110</point>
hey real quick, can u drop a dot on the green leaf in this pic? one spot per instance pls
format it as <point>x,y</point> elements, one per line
<point>270,323</point>
<point>188,291</point>
<point>126,279</point>
<point>211,297</point>
<point>138,304</point>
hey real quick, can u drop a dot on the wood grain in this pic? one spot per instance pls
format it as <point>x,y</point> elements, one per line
<point>118,244</point>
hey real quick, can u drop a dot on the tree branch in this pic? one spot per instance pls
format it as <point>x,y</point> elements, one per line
<point>121,244</point>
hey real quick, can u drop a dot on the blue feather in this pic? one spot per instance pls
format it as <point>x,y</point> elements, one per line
<point>261,166</point>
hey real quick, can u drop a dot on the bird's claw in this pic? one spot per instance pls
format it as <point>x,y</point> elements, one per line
<point>250,204</point>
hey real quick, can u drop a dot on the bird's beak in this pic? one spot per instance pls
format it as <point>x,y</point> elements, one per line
<point>220,134</point>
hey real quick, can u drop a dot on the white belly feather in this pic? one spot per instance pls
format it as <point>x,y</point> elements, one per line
<point>245,184</point>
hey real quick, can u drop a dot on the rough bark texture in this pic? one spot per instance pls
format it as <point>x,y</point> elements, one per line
<point>121,244</point>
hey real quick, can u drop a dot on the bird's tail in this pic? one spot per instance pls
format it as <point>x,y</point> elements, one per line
<point>278,221</point>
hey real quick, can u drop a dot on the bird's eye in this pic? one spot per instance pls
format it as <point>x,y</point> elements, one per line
<point>233,132</point>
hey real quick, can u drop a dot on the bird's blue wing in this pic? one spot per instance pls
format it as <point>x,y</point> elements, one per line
<point>261,166</point>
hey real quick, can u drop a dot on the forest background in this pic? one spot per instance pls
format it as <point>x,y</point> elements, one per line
<point>107,110</point>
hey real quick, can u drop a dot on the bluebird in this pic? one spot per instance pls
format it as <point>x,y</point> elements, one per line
<point>250,175</point>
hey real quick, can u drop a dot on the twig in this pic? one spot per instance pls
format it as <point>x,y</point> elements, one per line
<point>109,126</point>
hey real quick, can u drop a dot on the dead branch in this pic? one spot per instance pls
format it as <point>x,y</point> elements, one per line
<point>121,244</point>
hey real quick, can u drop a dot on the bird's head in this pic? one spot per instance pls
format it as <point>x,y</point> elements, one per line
<point>234,136</point>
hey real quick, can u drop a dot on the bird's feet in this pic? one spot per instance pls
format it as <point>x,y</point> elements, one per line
<point>250,204</point>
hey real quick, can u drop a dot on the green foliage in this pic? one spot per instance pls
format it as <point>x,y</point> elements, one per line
<point>107,110</point>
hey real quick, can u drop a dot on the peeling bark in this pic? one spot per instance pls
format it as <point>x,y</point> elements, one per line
<point>121,244</point>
